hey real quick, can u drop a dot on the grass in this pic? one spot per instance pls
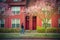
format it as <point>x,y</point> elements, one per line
<point>29,35</point>
<point>9,35</point>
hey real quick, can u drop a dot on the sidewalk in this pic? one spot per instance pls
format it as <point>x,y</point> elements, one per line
<point>30,35</point>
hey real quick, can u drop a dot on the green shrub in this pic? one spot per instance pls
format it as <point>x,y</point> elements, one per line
<point>2,30</point>
<point>58,30</point>
<point>9,30</point>
<point>40,29</point>
<point>51,30</point>
<point>47,30</point>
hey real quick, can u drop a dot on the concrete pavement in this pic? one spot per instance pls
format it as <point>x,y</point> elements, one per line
<point>29,39</point>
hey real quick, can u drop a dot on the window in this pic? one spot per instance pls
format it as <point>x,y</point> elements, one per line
<point>47,24</point>
<point>2,10</point>
<point>59,22</point>
<point>15,10</point>
<point>59,9</point>
<point>57,0</point>
<point>15,23</point>
<point>2,0</point>
<point>1,23</point>
<point>17,0</point>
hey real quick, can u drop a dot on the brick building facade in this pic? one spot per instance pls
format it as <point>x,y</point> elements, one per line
<point>14,15</point>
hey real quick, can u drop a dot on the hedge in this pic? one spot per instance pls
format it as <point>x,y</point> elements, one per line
<point>40,30</point>
<point>9,30</point>
<point>51,30</point>
<point>47,30</point>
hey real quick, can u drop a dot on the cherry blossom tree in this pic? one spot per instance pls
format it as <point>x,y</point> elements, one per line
<point>4,10</point>
<point>44,9</point>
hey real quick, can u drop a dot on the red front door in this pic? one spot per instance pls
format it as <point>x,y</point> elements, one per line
<point>34,23</point>
<point>27,23</point>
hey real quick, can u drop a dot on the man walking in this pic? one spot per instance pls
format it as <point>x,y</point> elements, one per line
<point>22,28</point>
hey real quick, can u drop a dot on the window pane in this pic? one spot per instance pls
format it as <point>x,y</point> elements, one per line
<point>49,22</point>
<point>13,25</point>
<point>2,10</point>
<point>59,25</point>
<point>15,10</point>
<point>1,1</point>
<point>13,21</point>
<point>17,21</point>
<point>49,25</point>
<point>2,25</point>
<point>1,21</point>
<point>17,25</point>
<point>17,0</point>
<point>46,24</point>
<point>59,9</point>
<point>59,21</point>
